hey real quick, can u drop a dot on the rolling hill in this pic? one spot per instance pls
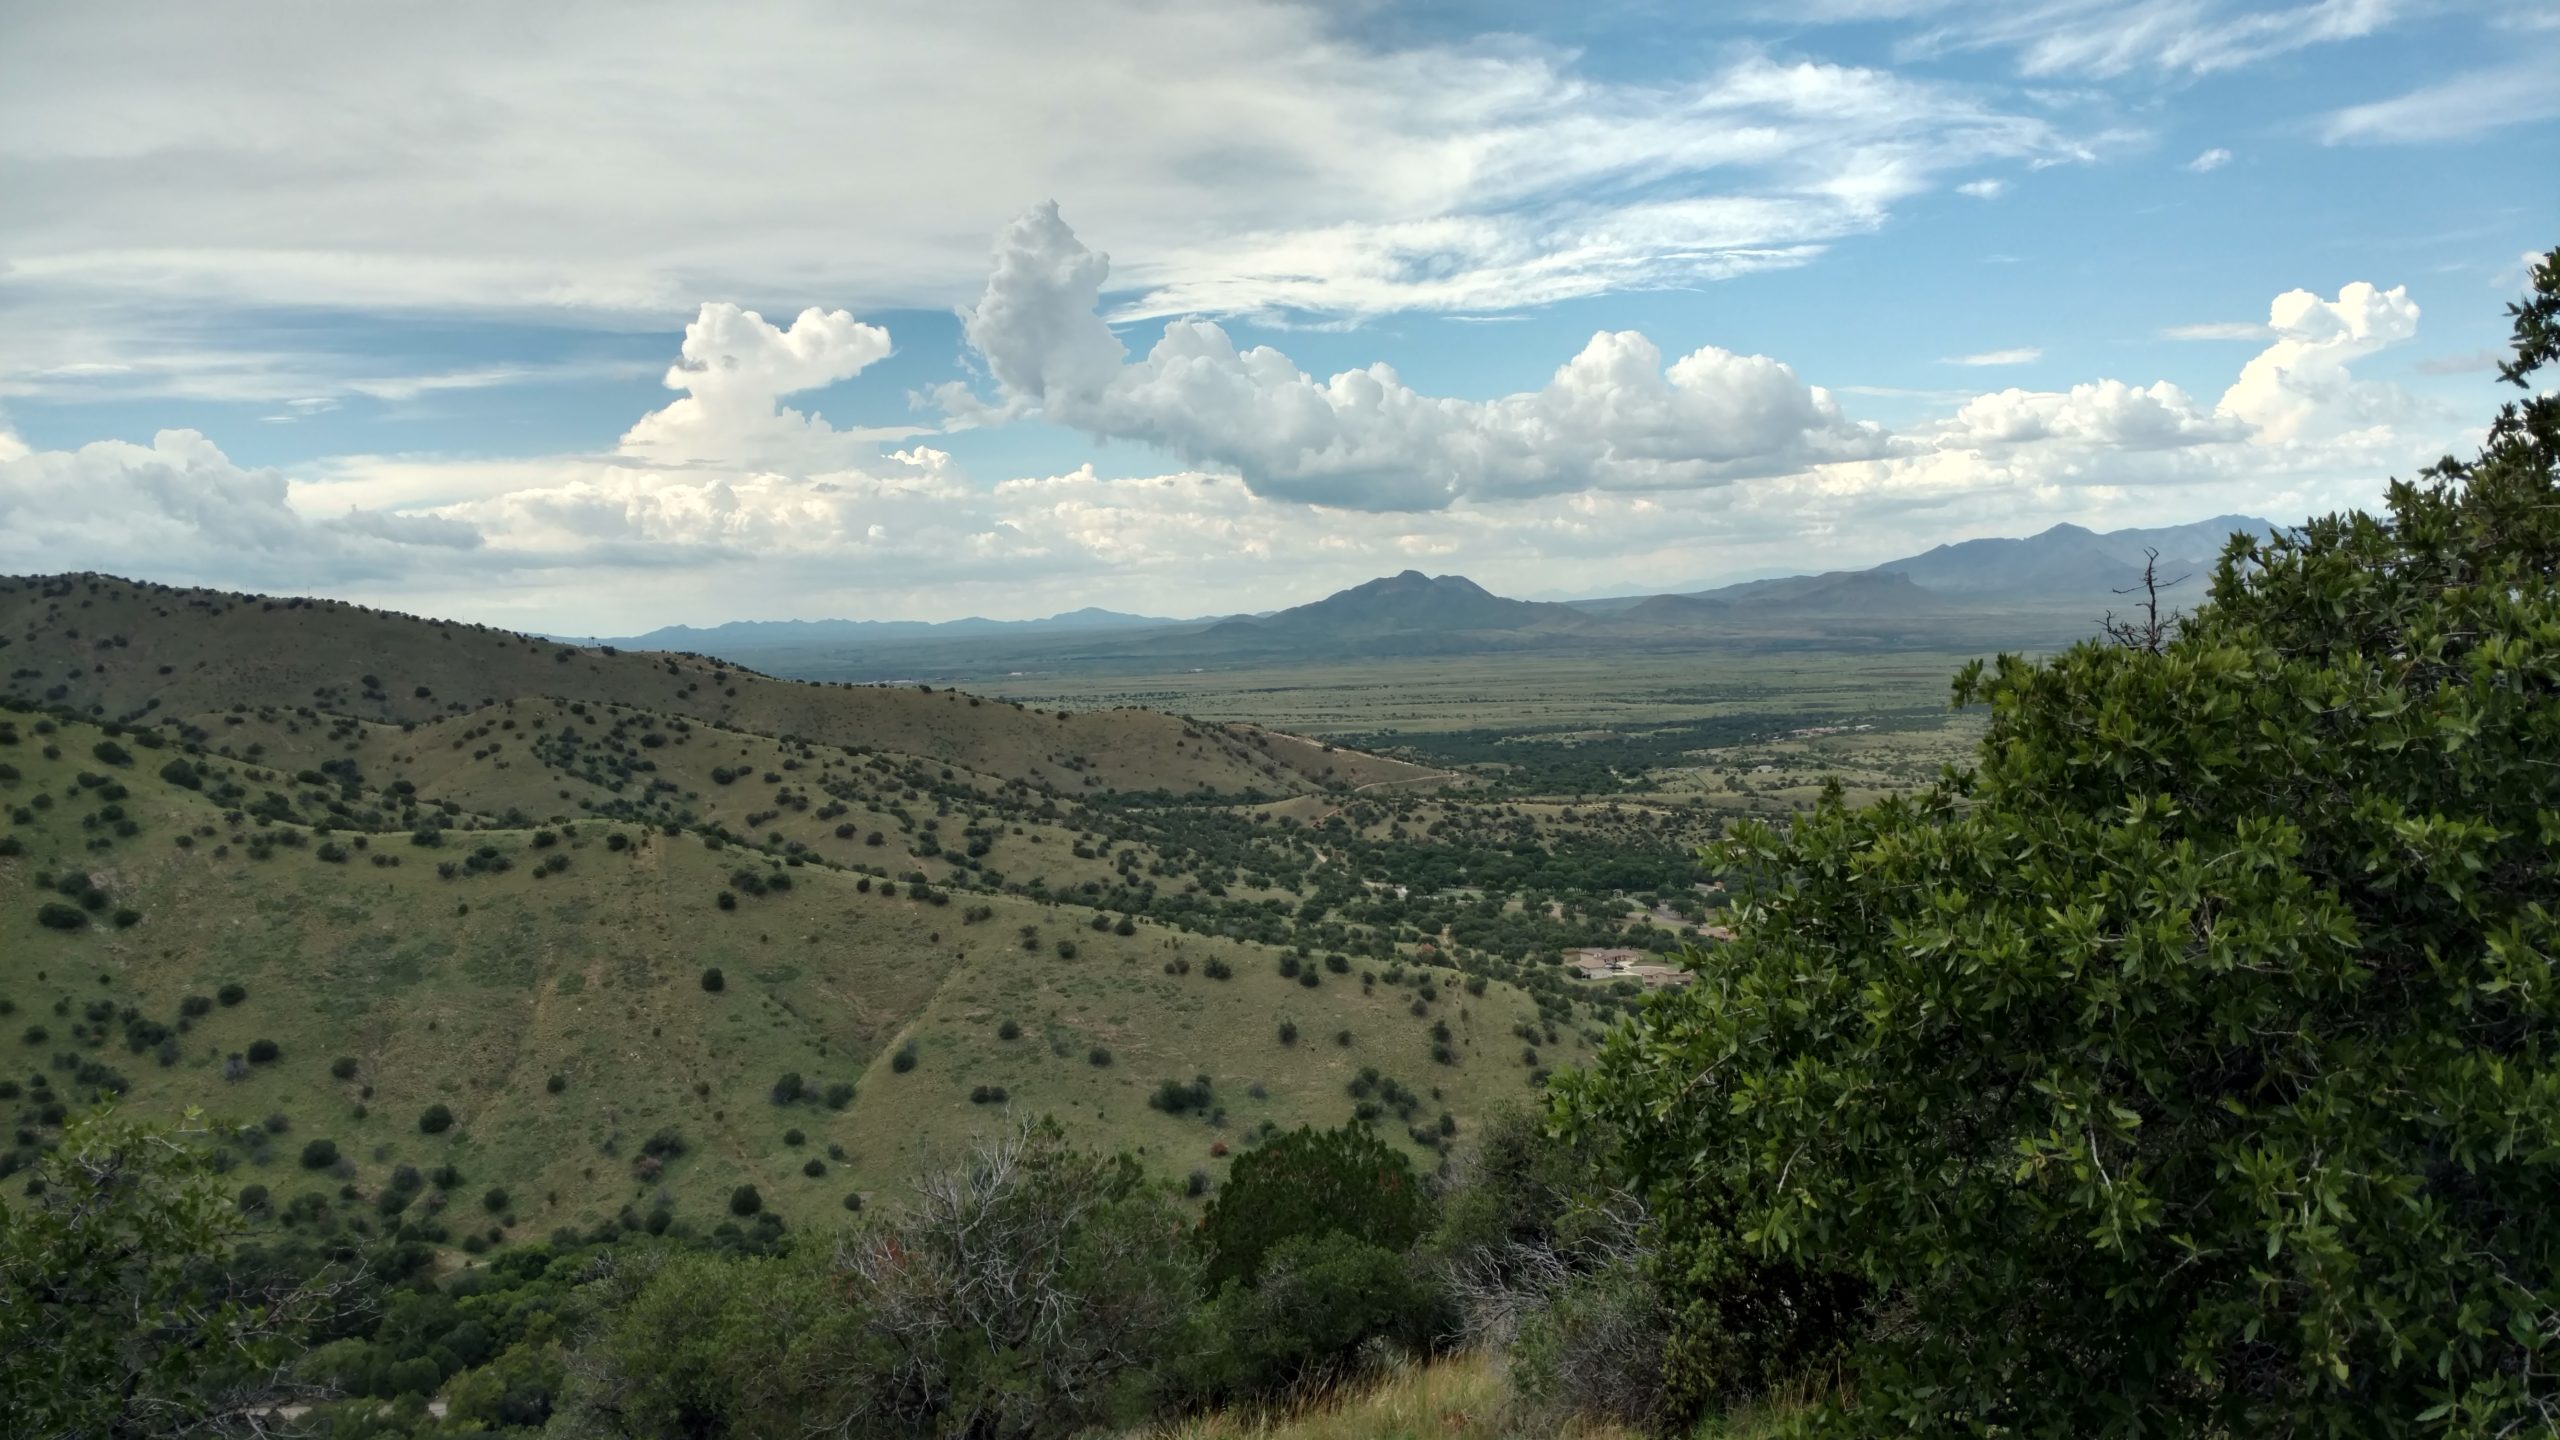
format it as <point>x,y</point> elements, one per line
<point>582,931</point>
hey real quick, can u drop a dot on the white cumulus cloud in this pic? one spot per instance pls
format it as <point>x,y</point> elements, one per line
<point>1614,417</point>
<point>180,509</point>
<point>2210,161</point>
<point>733,368</point>
<point>2299,387</point>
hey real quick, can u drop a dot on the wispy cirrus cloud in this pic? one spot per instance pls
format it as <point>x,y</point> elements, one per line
<point>1255,157</point>
<point>2015,355</point>
<point>2455,109</point>
<point>2217,330</point>
<point>2109,38</point>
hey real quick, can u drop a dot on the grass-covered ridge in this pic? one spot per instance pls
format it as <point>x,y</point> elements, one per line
<point>319,926</point>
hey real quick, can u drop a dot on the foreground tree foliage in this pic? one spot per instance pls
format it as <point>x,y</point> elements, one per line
<point>2187,1067</point>
<point>1031,1291</point>
<point>117,1316</point>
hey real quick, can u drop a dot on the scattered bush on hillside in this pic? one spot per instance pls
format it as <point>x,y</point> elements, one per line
<point>713,981</point>
<point>435,1119</point>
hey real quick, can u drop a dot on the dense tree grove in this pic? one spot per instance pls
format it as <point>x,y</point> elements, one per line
<point>1032,1290</point>
<point>2187,1066</point>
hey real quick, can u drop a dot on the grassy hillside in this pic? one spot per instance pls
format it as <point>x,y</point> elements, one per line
<point>320,924</point>
<point>127,651</point>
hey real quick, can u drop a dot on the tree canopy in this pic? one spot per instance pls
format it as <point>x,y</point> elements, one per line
<point>2186,1066</point>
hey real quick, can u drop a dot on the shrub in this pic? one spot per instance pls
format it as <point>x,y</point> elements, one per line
<point>1288,1032</point>
<point>54,915</point>
<point>232,993</point>
<point>264,1052</point>
<point>343,1068</point>
<point>1592,1349</point>
<point>494,1199</point>
<point>1312,1182</point>
<point>794,1138</point>
<point>745,1200</point>
<point>1009,1030</point>
<point>1323,1303</point>
<point>435,1119</point>
<point>557,1083</point>
<point>905,1059</point>
<point>2170,1067</point>
<point>319,1154</point>
<point>1174,1097</point>
<point>713,981</point>
<point>788,1089</point>
<point>814,1168</point>
<point>1098,1057</point>
<point>839,1094</point>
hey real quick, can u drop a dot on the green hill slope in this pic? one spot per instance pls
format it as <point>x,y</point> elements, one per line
<point>508,911</point>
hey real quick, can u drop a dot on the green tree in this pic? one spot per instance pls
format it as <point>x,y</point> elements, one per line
<point>115,1316</point>
<point>1311,1182</point>
<point>2186,1067</point>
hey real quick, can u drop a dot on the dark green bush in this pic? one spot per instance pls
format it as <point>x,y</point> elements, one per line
<point>319,1154</point>
<point>1321,1301</point>
<point>713,981</point>
<point>745,1201</point>
<point>264,1052</point>
<point>1312,1182</point>
<point>54,915</point>
<point>435,1119</point>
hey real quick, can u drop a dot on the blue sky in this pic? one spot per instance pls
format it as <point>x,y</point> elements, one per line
<point>1570,299</point>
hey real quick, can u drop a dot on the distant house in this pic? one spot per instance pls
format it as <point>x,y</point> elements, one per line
<point>1606,963</point>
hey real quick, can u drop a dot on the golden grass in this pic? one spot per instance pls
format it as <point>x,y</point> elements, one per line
<point>1463,1397</point>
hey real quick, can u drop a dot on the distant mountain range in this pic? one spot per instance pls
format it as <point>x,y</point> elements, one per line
<point>2047,588</point>
<point>764,634</point>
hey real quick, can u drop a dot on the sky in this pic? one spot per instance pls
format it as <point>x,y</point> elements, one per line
<point>587,319</point>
